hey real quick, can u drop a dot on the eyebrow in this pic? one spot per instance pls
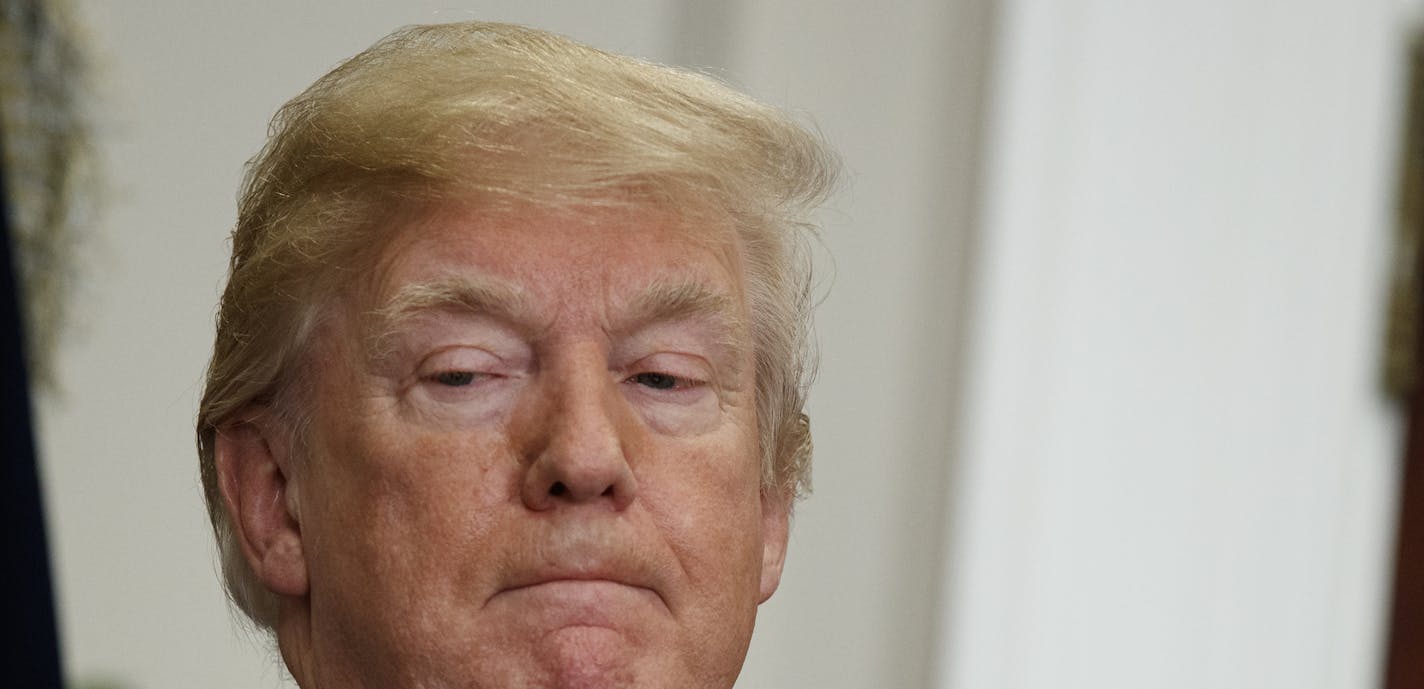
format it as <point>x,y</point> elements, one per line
<point>687,300</point>
<point>476,295</point>
<point>667,300</point>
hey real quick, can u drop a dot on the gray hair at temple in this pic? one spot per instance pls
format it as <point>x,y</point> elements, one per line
<point>505,116</point>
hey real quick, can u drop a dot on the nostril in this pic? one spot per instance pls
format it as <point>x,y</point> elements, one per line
<point>558,489</point>
<point>607,491</point>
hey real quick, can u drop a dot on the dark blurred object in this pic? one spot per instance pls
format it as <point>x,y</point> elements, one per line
<point>42,143</point>
<point>1402,350</point>
<point>1405,668</point>
<point>31,649</point>
<point>48,156</point>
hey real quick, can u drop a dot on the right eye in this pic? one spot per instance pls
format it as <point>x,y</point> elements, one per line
<point>454,379</point>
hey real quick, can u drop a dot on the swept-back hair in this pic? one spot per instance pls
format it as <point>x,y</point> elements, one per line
<point>503,115</point>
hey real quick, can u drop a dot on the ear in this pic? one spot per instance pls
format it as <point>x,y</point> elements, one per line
<point>253,459</point>
<point>775,530</point>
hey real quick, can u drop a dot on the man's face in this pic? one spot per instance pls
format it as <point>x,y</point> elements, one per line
<point>534,461</point>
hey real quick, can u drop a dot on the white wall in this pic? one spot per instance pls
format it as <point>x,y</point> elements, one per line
<point>1177,469</point>
<point>896,86</point>
<point>184,92</point>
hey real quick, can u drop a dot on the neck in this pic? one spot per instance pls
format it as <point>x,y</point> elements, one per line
<point>294,641</point>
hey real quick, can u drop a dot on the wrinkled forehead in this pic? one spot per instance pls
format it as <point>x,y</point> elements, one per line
<point>632,261</point>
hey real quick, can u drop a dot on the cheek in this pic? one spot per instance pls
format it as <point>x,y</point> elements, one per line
<point>709,509</point>
<point>399,503</point>
<point>709,501</point>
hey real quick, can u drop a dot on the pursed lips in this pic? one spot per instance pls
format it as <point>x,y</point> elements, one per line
<point>598,576</point>
<point>550,575</point>
<point>562,599</point>
<point>585,562</point>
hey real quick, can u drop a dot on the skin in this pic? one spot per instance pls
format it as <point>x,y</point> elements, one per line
<point>533,463</point>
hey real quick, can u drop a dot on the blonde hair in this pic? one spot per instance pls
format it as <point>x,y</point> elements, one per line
<point>502,114</point>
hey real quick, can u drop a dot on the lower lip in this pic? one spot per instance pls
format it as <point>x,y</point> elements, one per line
<point>584,602</point>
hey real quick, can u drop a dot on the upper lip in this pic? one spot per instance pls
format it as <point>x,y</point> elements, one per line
<point>594,572</point>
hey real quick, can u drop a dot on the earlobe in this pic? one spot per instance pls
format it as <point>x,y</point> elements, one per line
<point>775,531</point>
<point>261,501</point>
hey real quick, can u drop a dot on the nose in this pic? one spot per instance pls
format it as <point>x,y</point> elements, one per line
<point>580,457</point>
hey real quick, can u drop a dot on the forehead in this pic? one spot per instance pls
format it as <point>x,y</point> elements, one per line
<point>567,261</point>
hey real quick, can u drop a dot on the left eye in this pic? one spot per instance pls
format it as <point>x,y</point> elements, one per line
<point>659,381</point>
